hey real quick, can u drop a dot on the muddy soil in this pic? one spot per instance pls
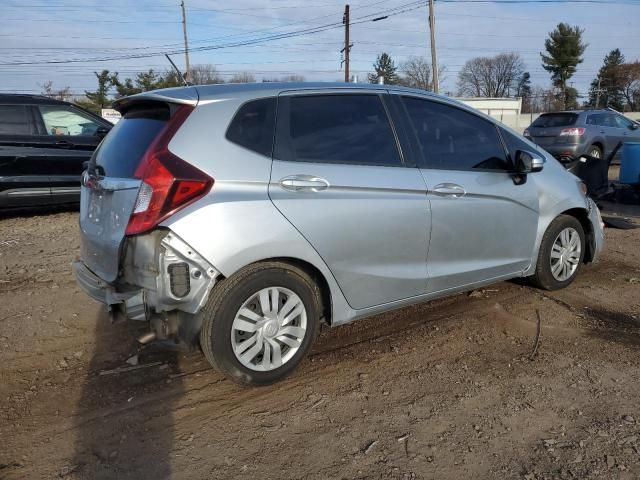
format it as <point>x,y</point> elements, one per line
<point>444,390</point>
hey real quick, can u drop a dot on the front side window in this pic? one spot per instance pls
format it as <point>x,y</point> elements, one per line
<point>63,121</point>
<point>252,127</point>
<point>351,129</point>
<point>453,139</point>
<point>15,120</point>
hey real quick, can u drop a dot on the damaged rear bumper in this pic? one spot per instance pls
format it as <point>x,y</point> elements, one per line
<point>159,273</point>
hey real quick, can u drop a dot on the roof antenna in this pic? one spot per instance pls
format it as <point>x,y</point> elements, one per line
<point>180,74</point>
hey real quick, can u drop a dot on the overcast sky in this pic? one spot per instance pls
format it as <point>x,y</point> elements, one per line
<point>37,31</point>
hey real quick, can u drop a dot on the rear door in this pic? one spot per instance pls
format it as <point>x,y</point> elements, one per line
<point>338,176</point>
<point>23,176</point>
<point>483,225</point>
<point>71,136</point>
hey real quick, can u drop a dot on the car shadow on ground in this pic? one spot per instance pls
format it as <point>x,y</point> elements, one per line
<point>614,326</point>
<point>124,422</point>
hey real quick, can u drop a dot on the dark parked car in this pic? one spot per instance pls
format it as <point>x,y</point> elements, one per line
<point>43,145</point>
<point>568,135</point>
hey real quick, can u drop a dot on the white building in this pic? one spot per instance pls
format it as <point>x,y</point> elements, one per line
<point>506,110</point>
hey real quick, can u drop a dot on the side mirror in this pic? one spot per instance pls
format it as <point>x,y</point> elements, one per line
<point>527,162</point>
<point>634,126</point>
<point>102,131</point>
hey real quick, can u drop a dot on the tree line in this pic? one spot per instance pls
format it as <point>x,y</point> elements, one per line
<point>617,84</point>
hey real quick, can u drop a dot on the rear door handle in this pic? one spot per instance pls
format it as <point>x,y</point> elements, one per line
<point>304,183</point>
<point>449,190</point>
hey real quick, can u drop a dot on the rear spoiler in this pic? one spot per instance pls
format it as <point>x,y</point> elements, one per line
<point>180,95</point>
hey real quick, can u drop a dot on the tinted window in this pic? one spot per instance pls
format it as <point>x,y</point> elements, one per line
<point>555,120</point>
<point>120,152</point>
<point>453,139</point>
<point>15,120</point>
<point>66,121</point>
<point>350,129</point>
<point>252,127</point>
<point>595,119</point>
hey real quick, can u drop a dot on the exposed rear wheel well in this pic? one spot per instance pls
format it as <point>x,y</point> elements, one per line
<point>317,276</point>
<point>582,216</point>
<point>599,145</point>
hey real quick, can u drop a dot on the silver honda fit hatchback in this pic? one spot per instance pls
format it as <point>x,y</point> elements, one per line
<point>240,217</point>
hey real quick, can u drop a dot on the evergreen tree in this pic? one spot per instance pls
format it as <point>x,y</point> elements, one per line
<point>523,90</point>
<point>564,53</point>
<point>606,88</point>
<point>385,68</point>
<point>98,99</point>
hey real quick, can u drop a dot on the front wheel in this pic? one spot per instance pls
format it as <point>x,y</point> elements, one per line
<point>260,323</point>
<point>561,254</point>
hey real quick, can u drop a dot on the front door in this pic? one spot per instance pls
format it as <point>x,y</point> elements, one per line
<point>339,178</point>
<point>483,225</point>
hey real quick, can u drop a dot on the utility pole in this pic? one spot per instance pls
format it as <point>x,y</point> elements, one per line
<point>187,75</point>
<point>347,47</point>
<point>434,58</point>
<point>598,91</point>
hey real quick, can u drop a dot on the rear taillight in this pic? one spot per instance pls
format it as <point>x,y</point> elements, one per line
<point>168,182</point>
<point>572,132</point>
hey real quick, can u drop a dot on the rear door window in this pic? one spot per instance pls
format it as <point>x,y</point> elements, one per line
<point>351,129</point>
<point>454,139</point>
<point>555,120</point>
<point>16,120</point>
<point>122,149</point>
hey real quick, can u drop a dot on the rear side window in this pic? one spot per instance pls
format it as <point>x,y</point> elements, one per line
<point>252,126</point>
<point>122,149</point>
<point>453,139</point>
<point>16,120</point>
<point>555,120</point>
<point>351,129</point>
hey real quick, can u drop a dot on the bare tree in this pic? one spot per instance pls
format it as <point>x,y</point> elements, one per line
<point>490,76</point>
<point>205,74</point>
<point>630,84</point>
<point>59,94</point>
<point>242,77</point>
<point>416,73</point>
<point>286,78</point>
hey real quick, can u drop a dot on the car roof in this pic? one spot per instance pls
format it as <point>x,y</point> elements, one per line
<point>20,99</point>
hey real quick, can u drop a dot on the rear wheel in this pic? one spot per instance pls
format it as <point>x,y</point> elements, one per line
<point>561,254</point>
<point>595,151</point>
<point>260,323</point>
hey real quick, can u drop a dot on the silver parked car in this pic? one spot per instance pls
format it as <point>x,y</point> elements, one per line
<point>240,217</point>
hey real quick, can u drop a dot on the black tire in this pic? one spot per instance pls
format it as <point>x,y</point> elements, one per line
<point>226,299</point>
<point>595,151</point>
<point>543,277</point>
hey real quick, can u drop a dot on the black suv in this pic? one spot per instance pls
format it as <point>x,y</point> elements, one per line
<point>43,145</point>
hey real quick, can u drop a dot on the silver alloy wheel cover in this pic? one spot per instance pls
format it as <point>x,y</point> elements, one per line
<point>565,254</point>
<point>595,152</point>
<point>268,329</point>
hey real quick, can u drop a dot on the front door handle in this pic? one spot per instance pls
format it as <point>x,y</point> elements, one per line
<point>449,190</point>
<point>304,183</point>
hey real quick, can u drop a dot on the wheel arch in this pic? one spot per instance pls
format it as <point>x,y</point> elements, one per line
<point>315,273</point>
<point>582,215</point>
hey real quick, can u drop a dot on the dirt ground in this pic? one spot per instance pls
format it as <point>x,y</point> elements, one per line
<point>444,390</point>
